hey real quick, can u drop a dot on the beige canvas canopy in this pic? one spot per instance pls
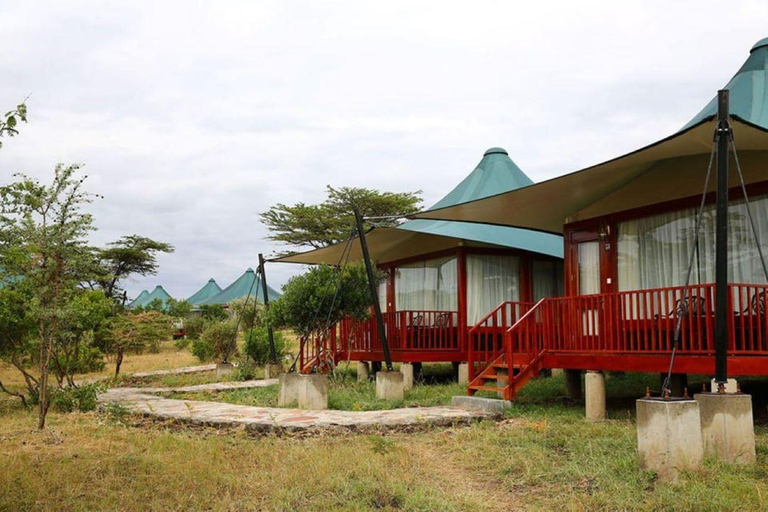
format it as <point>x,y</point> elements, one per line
<point>670,169</point>
<point>384,244</point>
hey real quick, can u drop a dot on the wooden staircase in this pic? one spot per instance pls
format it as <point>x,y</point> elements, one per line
<point>507,362</point>
<point>496,377</point>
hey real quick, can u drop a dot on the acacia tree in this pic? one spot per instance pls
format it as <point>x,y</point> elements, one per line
<point>129,255</point>
<point>135,332</point>
<point>330,222</point>
<point>43,243</point>
<point>10,121</point>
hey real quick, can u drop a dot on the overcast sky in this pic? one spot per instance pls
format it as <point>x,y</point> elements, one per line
<point>192,117</point>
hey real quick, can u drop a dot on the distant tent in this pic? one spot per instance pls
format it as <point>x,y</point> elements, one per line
<point>240,289</point>
<point>139,301</point>
<point>157,294</point>
<point>206,292</point>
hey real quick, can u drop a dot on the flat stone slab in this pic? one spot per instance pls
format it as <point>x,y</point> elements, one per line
<point>493,405</point>
<point>263,419</point>
<point>175,371</point>
<point>213,387</point>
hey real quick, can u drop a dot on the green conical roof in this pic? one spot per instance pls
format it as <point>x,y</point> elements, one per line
<point>496,173</point>
<point>206,292</point>
<point>139,301</point>
<point>748,91</point>
<point>240,289</point>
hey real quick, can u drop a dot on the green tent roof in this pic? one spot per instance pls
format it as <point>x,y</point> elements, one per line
<point>748,91</point>
<point>139,301</point>
<point>206,292</point>
<point>158,293</point>
<point>240,289</point>
<point>496,173</point>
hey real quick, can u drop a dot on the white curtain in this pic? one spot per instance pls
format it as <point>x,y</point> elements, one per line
<point>589,268</point>
<point>383,295</point>
<point>547,279</point>
<point>430,285</point>
<point>654,252</point>
<point>491,280</point>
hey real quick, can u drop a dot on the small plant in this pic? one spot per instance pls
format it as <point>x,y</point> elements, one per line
<point>115,413</point>
<point>218,341</point>
<point>246,370</point>
<point>82,398</point>
<point>194,327</point>
<point>257,345</point>
<point>181,343</point>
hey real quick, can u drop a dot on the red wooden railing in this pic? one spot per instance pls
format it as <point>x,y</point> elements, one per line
<point>486,338</point>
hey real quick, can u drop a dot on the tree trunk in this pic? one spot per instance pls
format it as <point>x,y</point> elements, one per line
<point>118,362</point>
<point>45,350</point>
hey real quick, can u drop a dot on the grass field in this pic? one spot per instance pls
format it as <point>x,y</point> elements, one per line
<point>542,456</point>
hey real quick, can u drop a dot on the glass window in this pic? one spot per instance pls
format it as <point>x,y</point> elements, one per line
<point>427,285</point>
<point>491,280</point>
<point>655,251</point>
<point>589,268</point>
<point>547,279</point>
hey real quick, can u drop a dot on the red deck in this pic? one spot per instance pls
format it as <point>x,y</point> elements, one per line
<point>624,331</point>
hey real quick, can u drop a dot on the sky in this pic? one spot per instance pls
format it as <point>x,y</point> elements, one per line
<point>193,117</point>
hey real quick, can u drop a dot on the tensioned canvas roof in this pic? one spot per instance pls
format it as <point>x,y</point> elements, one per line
<point>670,169</point>
<point>210,289</point>
<point>158,293</point>
<point>245,284</point>
<point>495,172</point>
<point>140,300</point>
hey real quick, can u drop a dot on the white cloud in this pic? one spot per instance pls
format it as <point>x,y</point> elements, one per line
<point>193,117</point>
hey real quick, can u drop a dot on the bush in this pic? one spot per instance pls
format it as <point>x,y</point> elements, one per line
<point>194,327</point>
<point>246,369</point>
<point>218,341</point>
<point>181,343</point>
<point>82,398</point>
<point>249,315</point>
<point>214,312</point>
<point>257,345</point>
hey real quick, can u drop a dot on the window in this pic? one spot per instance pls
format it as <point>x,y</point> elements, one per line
<point>427,285</point>
<point>491,280</point>
<point>547,279</point>
<point>654,252</point>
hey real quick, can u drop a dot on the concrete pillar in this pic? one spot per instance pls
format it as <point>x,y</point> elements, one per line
<point>501,381</point>
<point>407,370</point>
<point>362,371</point>
<point>669,436</point>
<point>573,384</point>
<point>558,372</point>
<point>223,369</point>
<point>389,385</point>
<point>288,389</point>
<point>463,374</point>
<point>727,426</point>
<point>678,383</point>
<point>730,387</point>
<point>313,391</point>
<point>271,371</point>
<point>594,391</point>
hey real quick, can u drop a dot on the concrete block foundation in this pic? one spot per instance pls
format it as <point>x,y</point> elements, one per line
<point>594,392</point>
<point>313,391</point>
<point>727,426</point>
<point>669,436</point>
<point>288,389</point>
<point>389,385</point>
<point>407,370</point>
<point>362,371</point>
<point>463,374</point>
<point>481,404</point>
<point>223,369</point>
<point>730,387</point>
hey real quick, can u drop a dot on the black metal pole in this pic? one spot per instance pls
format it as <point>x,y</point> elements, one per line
<point>374,291</point>
<point>721,242</point>
<point>270,332</point>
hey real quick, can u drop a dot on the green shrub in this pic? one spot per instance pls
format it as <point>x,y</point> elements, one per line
<point>82,398</point>
<point>257,345</point>
<point>181,343</point>
<point>246,370</point>
<point>194,327</point>
<point>218,341</point>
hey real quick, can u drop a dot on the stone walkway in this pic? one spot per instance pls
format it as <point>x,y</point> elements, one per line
<point>145,401</point>
<point>175,371</point>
